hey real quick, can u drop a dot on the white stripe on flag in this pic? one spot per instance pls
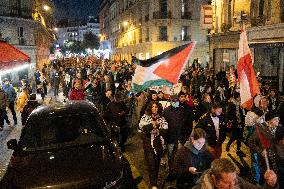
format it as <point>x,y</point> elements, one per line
<point>244,88</point>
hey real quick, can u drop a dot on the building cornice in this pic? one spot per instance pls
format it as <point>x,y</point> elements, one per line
<point>18,19</point>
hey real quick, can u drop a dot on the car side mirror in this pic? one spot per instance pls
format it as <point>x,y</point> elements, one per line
<point>12,144</point>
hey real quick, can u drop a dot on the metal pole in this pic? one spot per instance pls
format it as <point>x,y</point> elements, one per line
<point>281,58</point>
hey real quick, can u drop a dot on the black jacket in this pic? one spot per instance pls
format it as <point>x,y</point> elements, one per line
<point>180,122</point>
<point>187,157</point>
<point>207,124</point>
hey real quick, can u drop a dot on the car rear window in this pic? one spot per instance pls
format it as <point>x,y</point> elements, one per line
<point>56,131</point>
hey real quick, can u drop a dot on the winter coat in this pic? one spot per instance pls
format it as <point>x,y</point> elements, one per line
<point>180,122</point>
<point>3,100</point>
<point>76,94</point>
<point>116,112</point>
<point>205,182</point>
<point>27,110</point>
<point>10,92</point>
<point>206,123</point>
<point>146,126</point>
<point>21,101</point>
<point>188,156</point>
<point>236,118</point>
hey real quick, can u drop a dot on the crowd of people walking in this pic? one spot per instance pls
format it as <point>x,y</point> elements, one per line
<point>189,130</point>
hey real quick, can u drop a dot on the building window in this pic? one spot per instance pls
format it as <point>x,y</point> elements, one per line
<point>163,33</point>
<point>261,8</point>
<point>21,36</point>
<point>147,35</point>
<point>282,10</point>
<point>268,10</point>
<point>184,36</point>
<point>184,7</point>
<point>163,5</point>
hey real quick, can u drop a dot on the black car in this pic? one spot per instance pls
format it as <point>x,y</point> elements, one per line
<point>66,145</point>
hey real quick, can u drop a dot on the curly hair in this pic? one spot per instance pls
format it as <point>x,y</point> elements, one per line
<point>149,108</point>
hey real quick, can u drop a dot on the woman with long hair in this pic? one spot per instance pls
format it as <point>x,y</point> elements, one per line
<point>153,126</point>
<point>192,159</point>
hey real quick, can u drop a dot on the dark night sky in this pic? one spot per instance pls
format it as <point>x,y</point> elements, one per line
<point>76,8</point>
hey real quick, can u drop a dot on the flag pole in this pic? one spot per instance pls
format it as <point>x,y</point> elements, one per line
<point>266,159</point>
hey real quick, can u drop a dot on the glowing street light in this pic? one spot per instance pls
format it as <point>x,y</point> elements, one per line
<point>125,23</point>
<point>55,29</point>
<point>46,7</point>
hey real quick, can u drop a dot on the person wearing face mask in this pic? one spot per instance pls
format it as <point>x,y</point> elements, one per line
<point>213,123</point>
<point>192,159</point>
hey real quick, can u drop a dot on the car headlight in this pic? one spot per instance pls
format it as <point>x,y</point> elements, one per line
<point>114,182</point>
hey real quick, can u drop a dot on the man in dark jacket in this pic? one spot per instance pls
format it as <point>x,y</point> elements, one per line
<point>29,107</point>
<point>3,112</point>
<point>223,175</point>
<point>11,97</point>
<point>179,118</point>
<point>116,112</point>
<point>213,123</point>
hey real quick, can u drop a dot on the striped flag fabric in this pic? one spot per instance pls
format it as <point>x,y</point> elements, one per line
<point>249,87</point>
<point>162,70</point>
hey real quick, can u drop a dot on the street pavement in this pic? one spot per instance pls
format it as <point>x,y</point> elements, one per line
<point>134,151</point>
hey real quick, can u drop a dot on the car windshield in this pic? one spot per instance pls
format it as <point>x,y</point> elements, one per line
<point>62,131</point>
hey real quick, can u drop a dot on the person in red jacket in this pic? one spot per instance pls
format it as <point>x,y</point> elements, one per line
<point>77,93</point>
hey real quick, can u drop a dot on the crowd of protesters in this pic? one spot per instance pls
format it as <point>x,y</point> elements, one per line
<point>190,130</point>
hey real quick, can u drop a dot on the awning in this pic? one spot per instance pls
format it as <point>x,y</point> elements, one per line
<point>266,44</point>
<point>11,57</point>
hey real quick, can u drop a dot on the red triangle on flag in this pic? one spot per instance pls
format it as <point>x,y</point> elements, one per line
<point>172,67</point>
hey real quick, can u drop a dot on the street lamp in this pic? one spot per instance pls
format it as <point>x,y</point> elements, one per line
<point>55,29</point>
<point>125,23</point>
<point>46,7</point>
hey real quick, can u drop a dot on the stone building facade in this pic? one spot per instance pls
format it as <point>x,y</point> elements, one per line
<point>18,28</point>
<point>77,31</point>
<point>146,28</point>
<point>264,20</point>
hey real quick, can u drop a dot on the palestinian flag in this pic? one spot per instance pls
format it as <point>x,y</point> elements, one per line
<point>164,69</point>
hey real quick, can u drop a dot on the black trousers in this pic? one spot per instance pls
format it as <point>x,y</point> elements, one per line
<point>3,116</point>
<point>12,108</point>
<point>237,134</point>
<point>152,162</point>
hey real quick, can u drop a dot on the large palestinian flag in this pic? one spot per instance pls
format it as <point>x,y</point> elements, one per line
<point>164,69</point>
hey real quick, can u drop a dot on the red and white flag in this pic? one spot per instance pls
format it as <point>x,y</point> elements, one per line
<point>246,74</point>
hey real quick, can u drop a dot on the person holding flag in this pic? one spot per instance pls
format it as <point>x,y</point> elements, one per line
<point>263,146</point>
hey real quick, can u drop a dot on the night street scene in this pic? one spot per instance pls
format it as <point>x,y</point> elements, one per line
<point>141,94</point>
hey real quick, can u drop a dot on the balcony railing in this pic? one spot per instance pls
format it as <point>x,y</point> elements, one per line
<point>162,15</point>
<point>13,11</point>
<point>186,15</point>
<point>163,38</point>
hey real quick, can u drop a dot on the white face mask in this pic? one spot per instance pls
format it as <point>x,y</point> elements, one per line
<point>197,146</point>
